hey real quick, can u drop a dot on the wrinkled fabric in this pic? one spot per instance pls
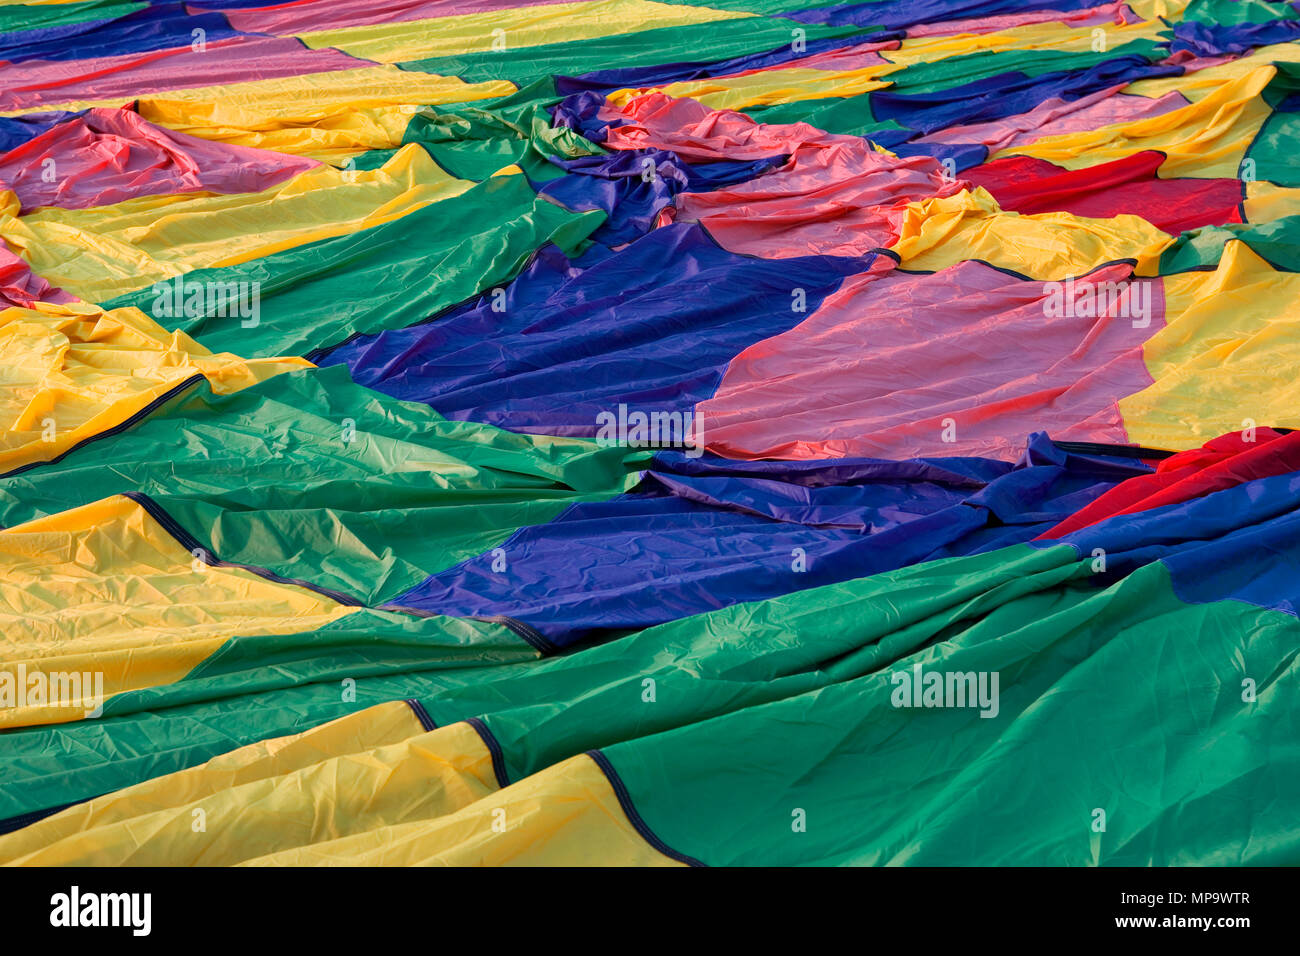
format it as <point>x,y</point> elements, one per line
<point>683,426</point>
<point>1128,185</point>
<point>107,156</point>
<point>234,60</point>
<point>504,358</point>
<point>858,377</point>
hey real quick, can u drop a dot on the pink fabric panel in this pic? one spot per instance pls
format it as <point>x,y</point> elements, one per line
<point>1191,63</point>
<point>885,361</point>
<point>1055,117</point>
<point>306,16</point>
<point>834,199</point>
<point>21,287</point>
<point>36,83</point>
<point>106,156</point>
<point>835,195</point>
<point>695,132</point>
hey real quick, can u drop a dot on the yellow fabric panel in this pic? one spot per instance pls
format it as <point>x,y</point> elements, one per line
<point>105,251</point>
<point>566,815</point>
<point>1151,9</point>
<point>369,788</point>
<point>93,831</point>
<point>771,86</point>
<point>104,588</point>
<point>521,26</point>
<point>333,136</point>
<point>1196,86</point>
<point>267,760</point>
<point>1033,36</point>
<point>1205,139</point>
<point>353,775</point>
<point>68,372</point>
<point>938,233</point>
<point>1265,202</point>
<point>316,114</point>
<point>1227,354</point>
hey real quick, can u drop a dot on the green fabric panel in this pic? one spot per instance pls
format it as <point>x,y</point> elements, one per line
<point>473,142</point>
<point>370,159</point>
<point>41,16</point>
<point>541,710</point>
<point>46,767</point>
<point>411,494</point>
<point>365,644</point>
<point>352,646</point>
<point>1103,692</point>
<point>1285,84</point>
<point>1277,242</point>
<point>234,699</point>
<point>744,655</point>
<point>958,70</point>
<point>1273,150</point>
<point>703,42</point>
<point>853,115</point>
<point>850,115</point>
<point>1125,700</point>
<point>791,697</point>
<point>396,274</point>
<point>1234,12</point>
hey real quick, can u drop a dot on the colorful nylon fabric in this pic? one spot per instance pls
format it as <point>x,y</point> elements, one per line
<point>649,432</point>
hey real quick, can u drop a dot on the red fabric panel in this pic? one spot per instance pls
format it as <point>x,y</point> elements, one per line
<point>1222,463</point>
<point>1028,185</point>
